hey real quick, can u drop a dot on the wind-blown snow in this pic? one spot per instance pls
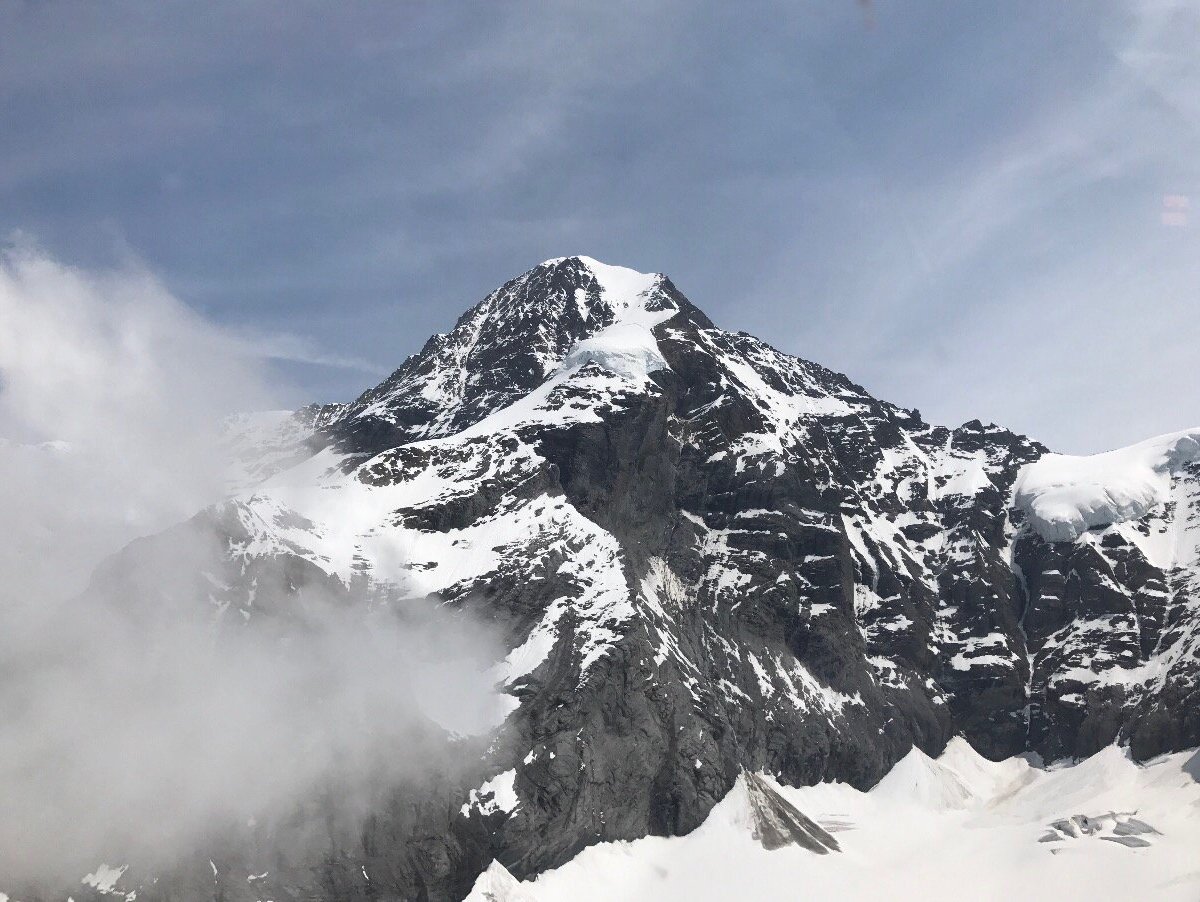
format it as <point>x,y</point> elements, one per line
<point>953,828</point>
<point>1065,496</point>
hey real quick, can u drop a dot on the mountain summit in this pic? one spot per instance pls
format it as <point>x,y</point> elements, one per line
<point>710,557</point>
<point>510,343</point>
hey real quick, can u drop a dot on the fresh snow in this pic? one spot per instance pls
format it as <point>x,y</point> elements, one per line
<point>953,828</point>
<point>1065,496</point>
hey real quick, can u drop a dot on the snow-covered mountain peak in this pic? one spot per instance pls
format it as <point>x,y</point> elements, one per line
<point>618,283</point>
<point>601,289</point>
<point>512,342</point>
<point>625,290</point>
<point>703,557</point>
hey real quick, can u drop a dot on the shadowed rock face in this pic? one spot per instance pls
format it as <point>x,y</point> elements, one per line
<point>734,561</point>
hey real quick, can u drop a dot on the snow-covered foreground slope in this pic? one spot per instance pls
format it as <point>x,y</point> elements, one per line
<point>959,827</point>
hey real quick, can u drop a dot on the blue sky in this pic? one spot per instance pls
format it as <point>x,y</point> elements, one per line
<point>959,204</point>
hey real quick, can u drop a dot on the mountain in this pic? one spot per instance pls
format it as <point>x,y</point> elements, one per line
<point>707,558</point>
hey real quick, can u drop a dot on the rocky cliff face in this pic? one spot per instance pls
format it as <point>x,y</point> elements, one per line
<point>708,557</point>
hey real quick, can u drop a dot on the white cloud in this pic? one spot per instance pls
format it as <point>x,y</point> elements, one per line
<point>134,384</point>
<point>135,718</point>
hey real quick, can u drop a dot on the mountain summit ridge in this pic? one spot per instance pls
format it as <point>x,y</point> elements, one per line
<point>707,557</point>
<point>506,345</point>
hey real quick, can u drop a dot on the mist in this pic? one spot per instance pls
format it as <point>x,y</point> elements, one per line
<point>138,718</point>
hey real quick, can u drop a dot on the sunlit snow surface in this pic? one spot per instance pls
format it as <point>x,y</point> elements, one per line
<point>960,827</point>
<point>1064,496</point>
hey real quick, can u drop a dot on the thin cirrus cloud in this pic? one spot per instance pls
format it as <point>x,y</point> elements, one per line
<point>960,206</point>
<point>290,348</point>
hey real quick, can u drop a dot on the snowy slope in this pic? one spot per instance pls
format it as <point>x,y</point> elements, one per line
<point>952,828</point>
<point>1065,496</point>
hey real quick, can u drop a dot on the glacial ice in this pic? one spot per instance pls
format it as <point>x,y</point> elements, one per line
<point>1065,496</point>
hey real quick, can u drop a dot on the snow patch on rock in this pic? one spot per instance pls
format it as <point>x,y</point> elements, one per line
<point>497,794</point>
<point>104,880</point>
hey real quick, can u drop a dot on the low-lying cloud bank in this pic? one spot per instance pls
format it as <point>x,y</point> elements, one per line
<point>136,721</point>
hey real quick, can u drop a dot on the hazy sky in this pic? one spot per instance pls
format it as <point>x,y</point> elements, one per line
<point>974,208</point>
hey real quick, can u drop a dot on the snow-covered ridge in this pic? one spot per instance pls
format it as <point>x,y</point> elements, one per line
<point>959,826</point>
<point>1064,496</point>
<point>519,338</point>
